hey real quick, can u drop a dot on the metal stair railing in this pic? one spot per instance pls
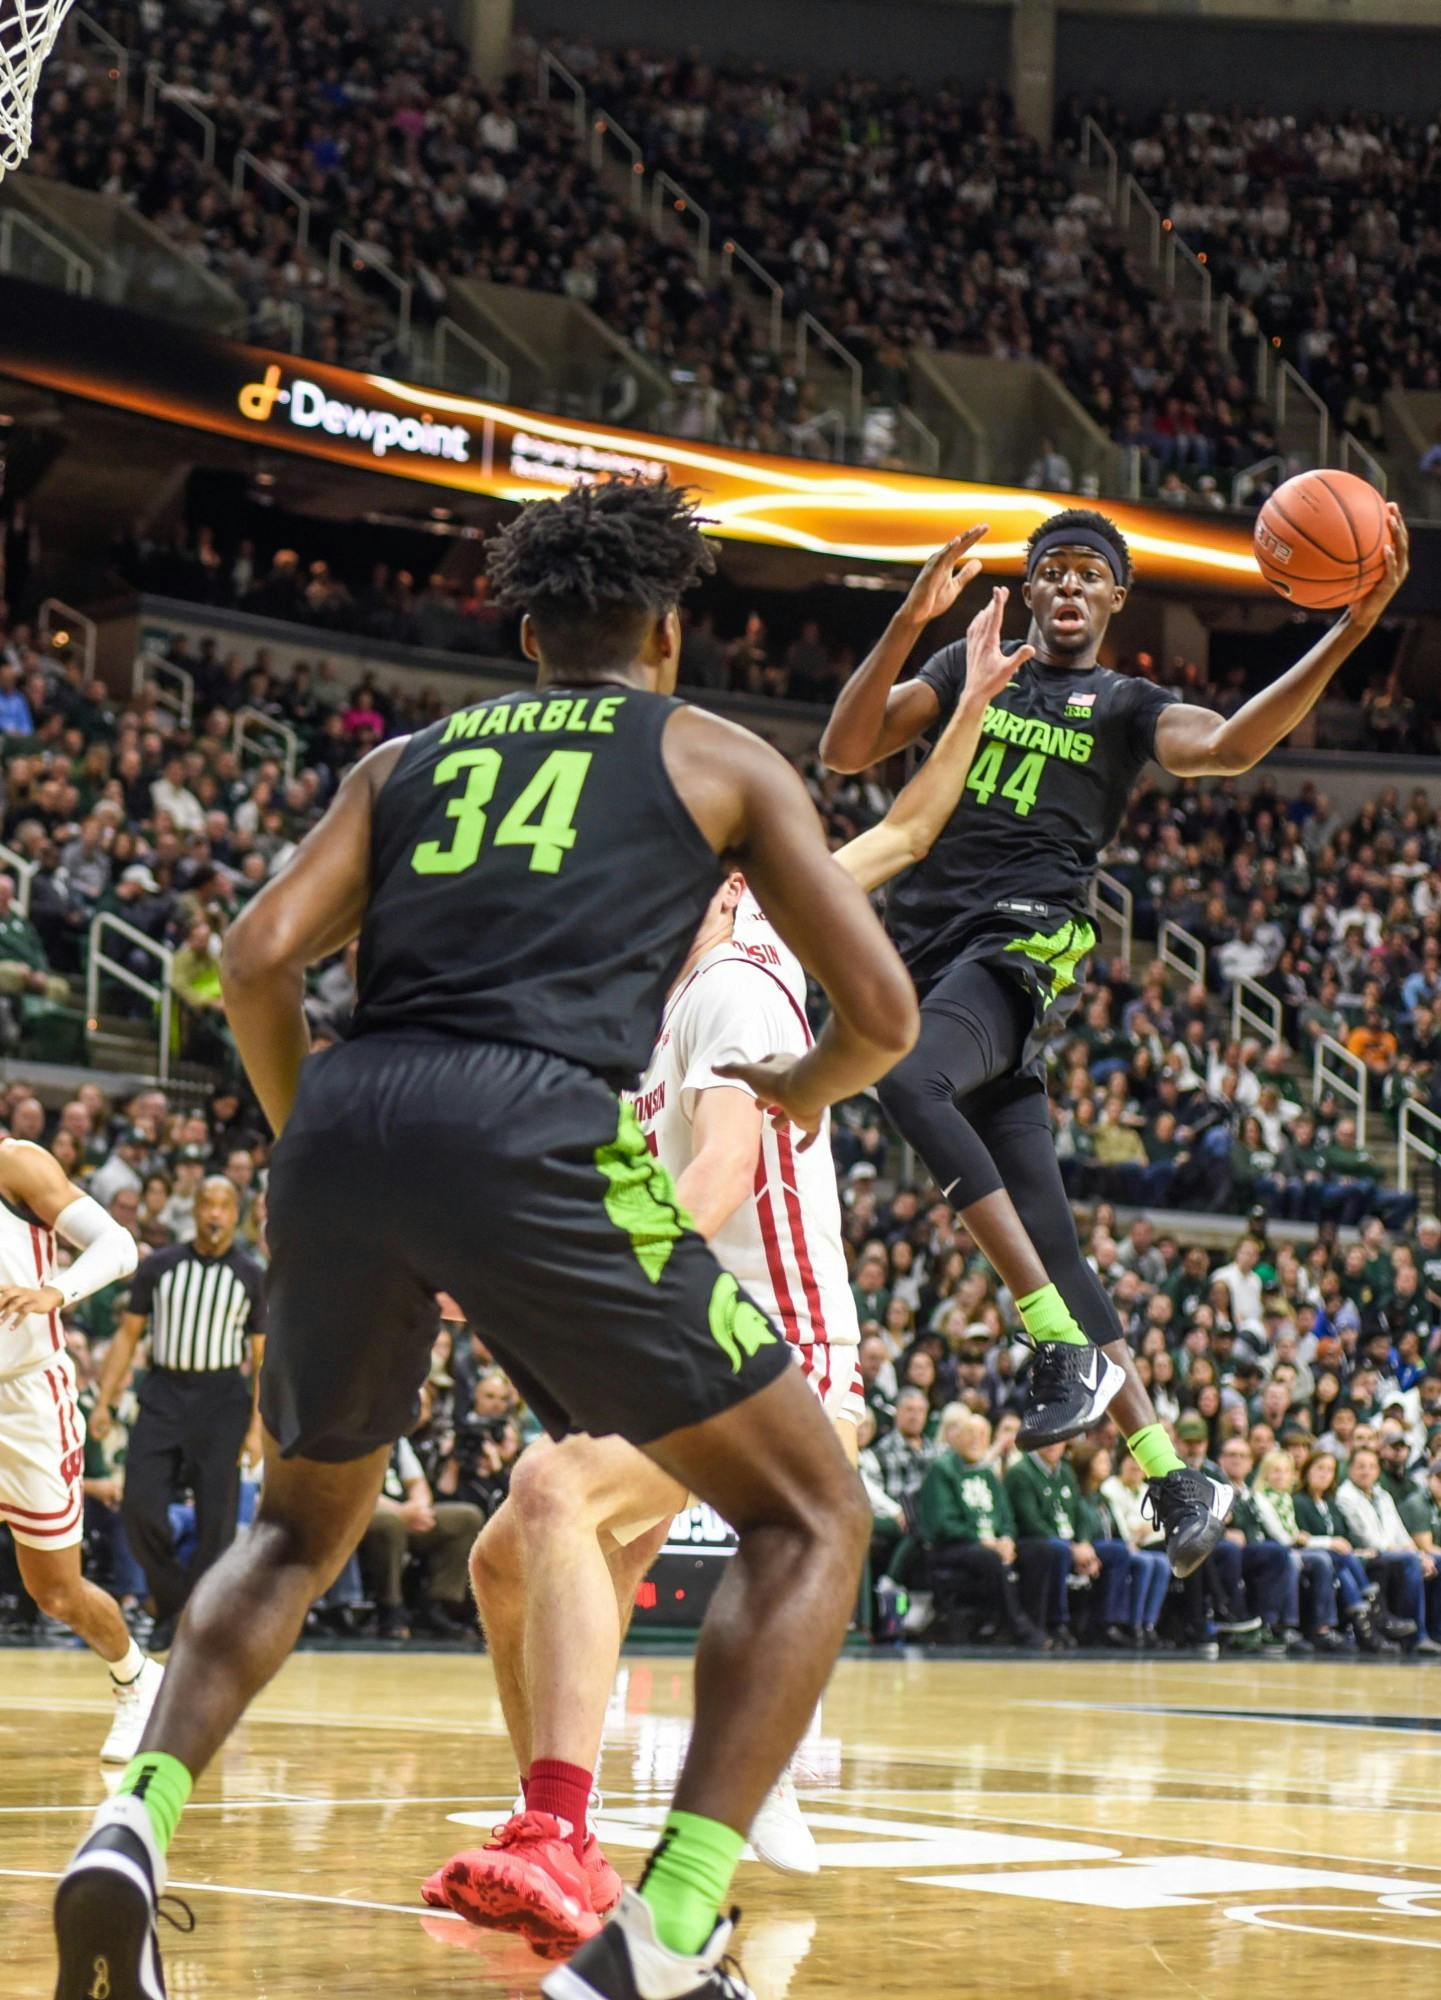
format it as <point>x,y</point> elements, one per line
<point>680,204</point>
<point>731,255</point>
<point>83,27</point>
<point>158,992</point>
<point>1189,281</point>
<point>1409,1141</point>
<point>497,371</point>
<point>1336,1069</point>
<point>364,257</point>
<point>246,162</point>
<point>809,327</point>
<point>158,91</point>
<point>51,630</point>
<point>1253,1008</point>
<point>1182,953</point>
<point>1290,382</point>
<point>552,67</point>
<point>261,736</point>
<point>1112,903</point>
<point>79,275</point>
<point>24,873</point>
<point>170,686</point>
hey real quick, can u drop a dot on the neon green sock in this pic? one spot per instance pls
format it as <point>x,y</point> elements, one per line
<point>1046,1316</point>
<point>686,1879</point>
<point>1154,1452</point>
<point>162,1784</point>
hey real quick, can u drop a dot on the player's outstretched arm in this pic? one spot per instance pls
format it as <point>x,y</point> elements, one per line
<point>873,717</point>
<point>1194,742</point>
<point>34,1179</point>
<point>923,806</point>
<point>311,909</point>
<point>756,813</point>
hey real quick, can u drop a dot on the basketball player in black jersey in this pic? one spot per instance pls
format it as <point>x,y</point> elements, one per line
<point>526,878</point>
<point>994,924</point>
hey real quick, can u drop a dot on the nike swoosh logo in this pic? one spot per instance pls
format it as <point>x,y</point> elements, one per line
<point>1091,1374</point>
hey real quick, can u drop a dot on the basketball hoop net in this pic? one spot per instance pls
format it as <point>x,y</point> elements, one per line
<point>27,35</point>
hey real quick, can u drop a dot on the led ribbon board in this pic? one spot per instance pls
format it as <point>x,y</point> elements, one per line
<point>463,444</point>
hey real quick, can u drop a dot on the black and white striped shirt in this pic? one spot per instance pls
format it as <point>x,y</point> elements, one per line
<point>201,1309</point>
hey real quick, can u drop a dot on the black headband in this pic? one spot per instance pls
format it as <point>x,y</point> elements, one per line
<point>1075,538</point>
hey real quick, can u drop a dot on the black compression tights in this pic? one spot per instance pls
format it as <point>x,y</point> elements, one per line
<point>979,1126</point>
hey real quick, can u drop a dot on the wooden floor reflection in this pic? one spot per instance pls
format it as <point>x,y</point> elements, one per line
<point>1038,1829</point>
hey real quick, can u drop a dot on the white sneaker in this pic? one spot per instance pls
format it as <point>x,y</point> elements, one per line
<point>133,1704</point>
<point>626,1961</point>
<point>920,1614</point>
<point>780,1835</point>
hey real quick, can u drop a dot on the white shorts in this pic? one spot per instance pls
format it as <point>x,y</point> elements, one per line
<point>42,1456</point>
<point>834,1373</point>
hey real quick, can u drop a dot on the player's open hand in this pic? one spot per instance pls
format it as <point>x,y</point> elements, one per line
<point>18,1302</point>
<point>988,668</point>
<point>1364,613</point>
<point>771,1080</point>
<point>943,578</point>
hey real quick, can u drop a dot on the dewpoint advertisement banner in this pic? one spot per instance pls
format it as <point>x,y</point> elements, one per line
<point>463,444</point>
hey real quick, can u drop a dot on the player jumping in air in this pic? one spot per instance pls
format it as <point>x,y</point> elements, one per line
<point>557,1567</point>
<point>993,924</point>
<point>526,879</point>
<point>42,1432</point>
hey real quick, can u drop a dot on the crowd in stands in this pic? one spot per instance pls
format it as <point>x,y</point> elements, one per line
<point>1310,1384</point>
<point>385,601</point>
<point>1317,1333</point>
<point>1328,229</point>
<point>899,216</point>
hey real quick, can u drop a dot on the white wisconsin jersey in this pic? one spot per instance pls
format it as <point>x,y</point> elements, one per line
<point>27,1257</point>
<point>744,1000</point>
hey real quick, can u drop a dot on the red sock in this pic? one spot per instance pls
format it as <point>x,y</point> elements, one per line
<point>562,1789</point>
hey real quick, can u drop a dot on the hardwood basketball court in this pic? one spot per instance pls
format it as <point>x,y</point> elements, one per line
<point>1209,1832</point>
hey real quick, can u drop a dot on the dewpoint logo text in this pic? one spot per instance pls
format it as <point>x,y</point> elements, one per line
<point>307,406</point>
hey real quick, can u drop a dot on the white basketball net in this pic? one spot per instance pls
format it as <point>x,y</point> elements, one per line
<point>27,34</point>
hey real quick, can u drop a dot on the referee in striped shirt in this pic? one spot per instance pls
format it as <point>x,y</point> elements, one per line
<point>198,1410</point>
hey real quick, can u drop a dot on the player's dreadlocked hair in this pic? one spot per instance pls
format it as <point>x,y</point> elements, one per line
<point>1089,522</point>
<point>597,566</point>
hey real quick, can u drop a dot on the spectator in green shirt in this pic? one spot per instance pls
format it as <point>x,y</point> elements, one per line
<point>1350,1175</point>
<point>965,1519</point>
<point>1045,1500</point>
<point>869,1289</point>
<point>24,969</point>
<point>1420,1511</point>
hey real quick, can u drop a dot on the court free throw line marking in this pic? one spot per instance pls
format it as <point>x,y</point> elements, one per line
<point>264,1895</point>
<point>477,1800</point>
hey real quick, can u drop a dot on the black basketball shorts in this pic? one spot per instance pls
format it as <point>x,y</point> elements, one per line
<point>521,1184</point>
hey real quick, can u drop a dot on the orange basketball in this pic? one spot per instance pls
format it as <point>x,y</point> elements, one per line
<point>1321,539</point>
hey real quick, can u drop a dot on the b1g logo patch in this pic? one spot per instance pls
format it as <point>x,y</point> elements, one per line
<point>1270,543</point>
<point>1080,706</point>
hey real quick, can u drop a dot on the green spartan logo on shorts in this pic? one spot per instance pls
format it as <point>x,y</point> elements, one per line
<point>640,1196</point>
<point>640,1199</point>
<point>1057,955</point>
<point>736,1325</point>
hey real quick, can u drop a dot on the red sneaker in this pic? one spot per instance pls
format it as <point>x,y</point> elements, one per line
<point>606,1887</point>
<point>526,1880</point>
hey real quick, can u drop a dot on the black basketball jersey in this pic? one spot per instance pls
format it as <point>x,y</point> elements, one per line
<point>1060,751</point>
<point>535,878</point>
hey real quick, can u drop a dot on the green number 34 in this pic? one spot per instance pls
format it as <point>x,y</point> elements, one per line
<point>542,818</point>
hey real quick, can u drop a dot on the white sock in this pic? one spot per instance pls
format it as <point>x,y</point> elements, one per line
<point>124,1671</point>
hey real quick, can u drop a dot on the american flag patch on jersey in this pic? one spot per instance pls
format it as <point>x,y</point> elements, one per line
<point>1081,705</point>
